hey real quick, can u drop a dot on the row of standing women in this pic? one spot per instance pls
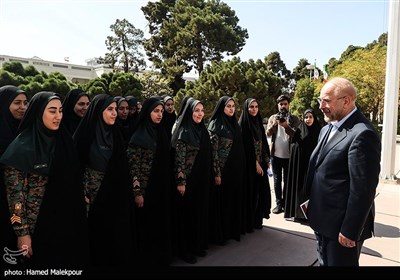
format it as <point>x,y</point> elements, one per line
<point>82,186</point>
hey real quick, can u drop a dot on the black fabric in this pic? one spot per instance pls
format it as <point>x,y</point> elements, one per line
<point>111,214</point>
<point>257,196</point>
<point>70,118</point>
<point>8,124</point>
<point>181,109</point>
<point>61,232</point>
<point>32,150</point>
<point>192,208</point>
<point>93,137</point>
<point>187,130</point>
<point>125,126</point>
<point>144,130</point>
<point>8,132</point>
<point>60,237</point>
<point>154,219</point>
<point>303,143</point>
<point>220,123</point>
<point>132,102</point>
<point>226,200</point>
<point>112,225</point>
<point>168,118</point>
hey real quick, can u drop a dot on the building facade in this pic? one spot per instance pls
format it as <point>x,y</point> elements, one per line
<point>79,74</point>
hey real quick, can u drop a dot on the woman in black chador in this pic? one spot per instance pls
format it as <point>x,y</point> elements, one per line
<point>169,115</point>
<point>303,144</point>
<point>258,193</point>
<point>150,168</point>
<point>226,195</point>
<point>13,104</point>
<point>75,107</point>
<point>44,191</point>
<point>193,178</point>
<point>106,184</point>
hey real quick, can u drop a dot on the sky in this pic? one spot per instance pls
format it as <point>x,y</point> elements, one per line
<point>314,30</point>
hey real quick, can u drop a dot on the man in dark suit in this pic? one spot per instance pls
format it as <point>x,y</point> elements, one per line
<point>343,176</point>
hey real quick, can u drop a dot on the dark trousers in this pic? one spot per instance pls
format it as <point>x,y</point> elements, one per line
<point>331,253</point>
<point>279,165</point>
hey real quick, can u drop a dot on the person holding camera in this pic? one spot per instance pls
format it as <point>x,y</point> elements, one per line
<point>281,128</point>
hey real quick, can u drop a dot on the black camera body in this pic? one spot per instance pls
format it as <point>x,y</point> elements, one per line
<point>281,116</point>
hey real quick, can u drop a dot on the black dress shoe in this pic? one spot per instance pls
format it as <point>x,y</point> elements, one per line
<point>189,259</point>
<point>277,210</point>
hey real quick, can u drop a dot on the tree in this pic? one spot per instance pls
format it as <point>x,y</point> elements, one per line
<point>32,81</point>
<point>240,80</point>
<point>115,84</point>
<point>277,66</point>
<point>154,84</point>
<point>124,47</point>
<point>305,97</point>
<point>366,69</point>
<point>187,34</point>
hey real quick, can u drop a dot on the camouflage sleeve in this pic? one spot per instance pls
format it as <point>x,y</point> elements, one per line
<point>140,161</point>
<point>91,184</point>
<point>17,190</point>
<point>258,148</point>
<point>214,143</point>
<point>180,159</point>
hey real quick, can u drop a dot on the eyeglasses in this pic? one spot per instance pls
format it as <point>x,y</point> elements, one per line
<point>327,101</point>
<point>253,107</point>
<point>83,103</point>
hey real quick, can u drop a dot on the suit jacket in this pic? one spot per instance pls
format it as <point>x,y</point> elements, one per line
<point>343,180</point>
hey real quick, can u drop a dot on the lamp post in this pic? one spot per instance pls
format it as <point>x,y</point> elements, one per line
<point>311,68</point>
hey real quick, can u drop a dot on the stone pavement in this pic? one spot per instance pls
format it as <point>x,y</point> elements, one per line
<point>286,243</point>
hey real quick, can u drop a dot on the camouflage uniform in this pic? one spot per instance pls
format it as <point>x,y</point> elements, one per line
<point>261,155</point>
<point>184,159</point>
<point>221,147</point>
<point>140,161</point>
<point>91,184</point>
<point>25,194</point>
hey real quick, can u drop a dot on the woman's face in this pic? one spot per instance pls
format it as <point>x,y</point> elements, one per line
<point>229,109</point>
<point>309,119</point>
<point>198,113</point>
<point>52,114</point>
<point>81,106</point>
<point>253,108</point>
<point>18,106</point>
<point>169,106</point>
<point>123,110</point>
<point>110,114</point>
<point>156,114</point>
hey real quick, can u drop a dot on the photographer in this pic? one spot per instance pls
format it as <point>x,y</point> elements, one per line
<point>281,128</point>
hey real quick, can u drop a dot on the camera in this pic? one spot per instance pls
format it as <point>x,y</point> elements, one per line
<point>281,116</point>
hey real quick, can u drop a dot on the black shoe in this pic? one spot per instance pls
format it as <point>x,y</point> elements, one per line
<point>258,227</point>
<point>189,259</point>
<point>277,210</point>
<point>201,253</point>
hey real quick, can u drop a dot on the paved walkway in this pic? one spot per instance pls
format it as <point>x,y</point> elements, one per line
<point>285,243</point>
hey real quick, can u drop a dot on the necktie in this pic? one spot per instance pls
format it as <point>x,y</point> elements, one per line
<point>324,140</point>
<point>326,136</point>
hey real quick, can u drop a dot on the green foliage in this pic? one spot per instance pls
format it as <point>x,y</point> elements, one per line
<point>125,47</point>
<point>240,80</point>
<point>14,67</point>
<point>305,97</point>
<point>190,33</point>
<point>115,84</point>
<point>154,84</point>
<point>366,70</point>
<point>33,81</point>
